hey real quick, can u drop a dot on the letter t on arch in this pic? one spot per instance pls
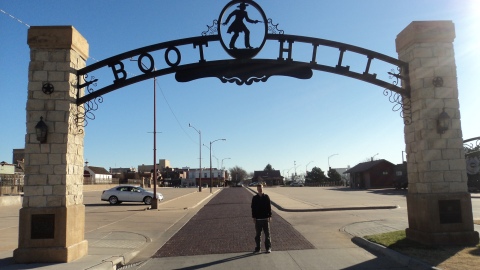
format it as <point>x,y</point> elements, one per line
<point>200,47</point>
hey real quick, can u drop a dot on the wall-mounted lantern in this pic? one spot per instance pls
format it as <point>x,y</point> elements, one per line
<point>41,129</point>
<point>443,122</point>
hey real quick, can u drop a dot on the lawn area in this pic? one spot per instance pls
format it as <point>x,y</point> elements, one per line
<point>444,257</point>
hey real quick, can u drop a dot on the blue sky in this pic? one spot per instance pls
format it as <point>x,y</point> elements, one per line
<point>284,122</point>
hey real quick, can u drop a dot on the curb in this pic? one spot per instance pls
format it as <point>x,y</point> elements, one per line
<point>335,208</point>
<point>123,261</point>
<point>115,262</point>
<point>404,260</point>
<point>330,208</point>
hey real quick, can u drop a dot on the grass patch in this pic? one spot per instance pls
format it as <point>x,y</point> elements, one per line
<point>444,257</point>
<point>395,240</point>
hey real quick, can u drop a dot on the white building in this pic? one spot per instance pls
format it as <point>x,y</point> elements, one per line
<point>193,177</point>
<point>96,175</point>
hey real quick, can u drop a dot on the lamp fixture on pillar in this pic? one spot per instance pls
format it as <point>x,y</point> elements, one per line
<point>443,122</point>
<point>437,81</point>
<point>41,129</point>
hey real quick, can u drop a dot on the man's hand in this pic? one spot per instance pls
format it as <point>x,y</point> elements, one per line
<point>269,219</point>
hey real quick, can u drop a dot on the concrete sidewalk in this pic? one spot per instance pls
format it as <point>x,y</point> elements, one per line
<point>136,239</point>
<point>111,248</point>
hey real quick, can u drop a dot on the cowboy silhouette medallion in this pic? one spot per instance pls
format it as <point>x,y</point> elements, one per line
<point>242,20</point>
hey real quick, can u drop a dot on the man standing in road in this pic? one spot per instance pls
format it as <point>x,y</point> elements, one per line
<point>262,215</point>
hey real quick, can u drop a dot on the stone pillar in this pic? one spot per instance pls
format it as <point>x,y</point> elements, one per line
<point>439,205</point>
<point>52,218</point>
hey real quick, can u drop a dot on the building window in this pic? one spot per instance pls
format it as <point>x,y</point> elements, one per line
<point>385,173</point>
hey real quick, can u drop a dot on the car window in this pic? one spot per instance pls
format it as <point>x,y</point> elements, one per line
<point>127,189</point>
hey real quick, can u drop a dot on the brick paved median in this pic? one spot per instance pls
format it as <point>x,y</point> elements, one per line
<point>224,225</point>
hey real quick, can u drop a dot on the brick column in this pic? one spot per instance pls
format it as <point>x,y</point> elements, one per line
<point>52,218</point>
<point>439,205</point>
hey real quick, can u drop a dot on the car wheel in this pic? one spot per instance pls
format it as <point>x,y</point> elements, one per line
<point>113,200</point>
<point>147,200</point>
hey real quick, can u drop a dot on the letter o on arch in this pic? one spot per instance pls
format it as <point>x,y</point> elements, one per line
<point>140,63</point>
<point>167,59</point>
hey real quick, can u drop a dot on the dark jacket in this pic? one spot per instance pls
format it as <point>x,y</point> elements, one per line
<point>261,207</point>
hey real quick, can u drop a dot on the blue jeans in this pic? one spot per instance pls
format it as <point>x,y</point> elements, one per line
<point>265,226</point>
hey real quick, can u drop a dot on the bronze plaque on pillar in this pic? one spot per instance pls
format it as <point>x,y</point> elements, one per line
<point>450,211</point>
<point>43,226</point>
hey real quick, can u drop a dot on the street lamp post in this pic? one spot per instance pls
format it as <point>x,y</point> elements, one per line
<point>223,160</point>
<point>211,175</point>
<point>223,172</point>
<point>288,172</point>
<point>295,168</point>
<point>374,156</point>
<point>329,160</point>
<point>200,158</point>
<point>154,204</point>
<point>217,160</point>
<point>306,169</point>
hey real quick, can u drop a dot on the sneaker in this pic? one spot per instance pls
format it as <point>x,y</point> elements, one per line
<point>256,251</point>
<point>269,250</point>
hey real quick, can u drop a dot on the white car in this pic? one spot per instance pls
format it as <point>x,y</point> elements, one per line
<point>296,184</point>
<point>127,193</point>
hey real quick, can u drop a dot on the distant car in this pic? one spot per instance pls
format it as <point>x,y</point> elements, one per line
<point>400,183</point>
<point>127,193</point>
<point>296,184</point>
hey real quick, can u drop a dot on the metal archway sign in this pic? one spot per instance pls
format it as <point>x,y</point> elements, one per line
<point>243,68</point>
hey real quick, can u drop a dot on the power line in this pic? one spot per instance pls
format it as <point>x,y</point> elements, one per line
<point>13,17</point>
<point>27,25</point>
<point>95,60</point>
<point>173,113</point>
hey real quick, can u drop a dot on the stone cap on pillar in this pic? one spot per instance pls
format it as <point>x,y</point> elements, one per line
<point>57,37</point>
<point>425,32</point>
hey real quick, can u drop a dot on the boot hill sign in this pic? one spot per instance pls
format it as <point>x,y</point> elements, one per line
<point>243,68</point>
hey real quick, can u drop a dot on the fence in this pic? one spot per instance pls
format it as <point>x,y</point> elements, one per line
<point>325,184</point>
<point>93,181</point>
<point>11,184</point>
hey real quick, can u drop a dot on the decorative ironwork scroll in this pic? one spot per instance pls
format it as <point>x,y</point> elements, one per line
<point>273,28</point>
<point>472,158</point>
<point>85,112</point>
<point>212,30</point>
<point>472,146</point>
<point>400,102</point>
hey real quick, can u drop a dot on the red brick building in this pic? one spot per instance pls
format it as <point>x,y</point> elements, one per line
<point>372,174</point>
